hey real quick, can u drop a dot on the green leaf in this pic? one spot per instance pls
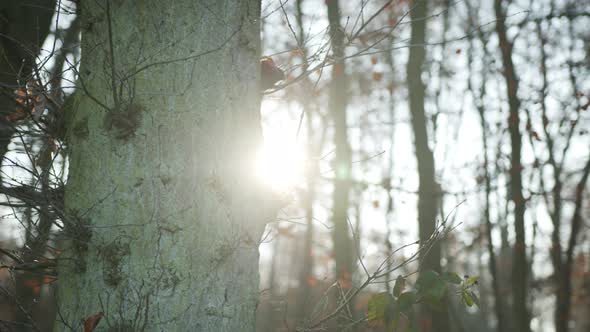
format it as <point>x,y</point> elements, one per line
<point>379,304</point>
<point>431,286</point>
<point>437,291</point>
<point>427,279</point>
<point>405,301</point>
<point>474,297</point>
<point>467,299</point>
<point>400,284</point>
<point>412,328</point>
<point>471,281</point>
<point>452,278</point>
<point>435,304</point>
<point>392,324</point>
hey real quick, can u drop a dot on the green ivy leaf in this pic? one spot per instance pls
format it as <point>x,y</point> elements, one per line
<point>405,301</point>
<point>393,323</point>
<point>412,328</point>
<point>471,281</point>
<point>431,286</point>
<point>474,298</point>
<point>452,278</point>
<point>427,279</point>
<point>400,284</point>
<point>379,305</point>
<point>467,298</point>
<point>437,291</point>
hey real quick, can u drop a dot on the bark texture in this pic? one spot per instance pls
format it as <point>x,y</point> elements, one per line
<point>164,214</point>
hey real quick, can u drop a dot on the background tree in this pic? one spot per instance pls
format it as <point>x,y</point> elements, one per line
<point>429,189</point>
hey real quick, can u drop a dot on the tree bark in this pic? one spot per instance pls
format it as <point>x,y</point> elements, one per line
<point>520,266</point>
<point>164,214</point>
<point>428,191</point>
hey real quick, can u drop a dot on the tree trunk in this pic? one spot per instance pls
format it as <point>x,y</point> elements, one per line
<point>479,100</point>
<point>520,266</point>
<point>565,291</point>
<point>428,191</point>
<point>164,215</point>
<point>304,291</point>
<point>23,29</point>
<point>343,245</point>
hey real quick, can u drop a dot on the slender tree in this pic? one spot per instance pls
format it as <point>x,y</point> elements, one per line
<point>428,191</point>
<point>343,245</point>
<point>564,265</point>
<point>307,261</point>
<point>520,266</point>
<point>479,101</point>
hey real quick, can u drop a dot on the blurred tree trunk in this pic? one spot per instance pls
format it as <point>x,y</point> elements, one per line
<point>387,180</point>
<point>565,289</point>
<point>564,266</point>
<point>164,216</point>
<point>555,206</point>
<point>23,29</point>
<point>306,273</point>
<point>429,190</point>
<point>314,148</point>
<point>479,101</point>
<point>343,244</point>
<point>520,266</point>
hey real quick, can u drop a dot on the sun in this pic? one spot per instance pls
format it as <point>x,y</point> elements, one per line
<point>280,162</point>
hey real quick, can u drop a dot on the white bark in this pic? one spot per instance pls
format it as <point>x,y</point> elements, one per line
<point>165,216</point>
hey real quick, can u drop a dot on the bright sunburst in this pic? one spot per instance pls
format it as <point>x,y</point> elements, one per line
<point>280,162</point>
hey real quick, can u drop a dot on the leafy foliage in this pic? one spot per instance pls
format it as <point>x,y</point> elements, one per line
<point>430,289</point>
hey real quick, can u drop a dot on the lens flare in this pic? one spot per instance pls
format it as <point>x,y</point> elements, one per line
<point>280,164</point>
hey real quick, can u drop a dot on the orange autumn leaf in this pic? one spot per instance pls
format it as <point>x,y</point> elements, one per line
<point>312,281</point>
<point>286,231</point>
<point>296,53</point>
<point>377,76</point>
<point>345,284</point>
<point>34,285</point>
<point>270,73</point>
<point>91,322</point>
<point>338,70</point>
<point>345,280</point>
<point>30,100</point>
